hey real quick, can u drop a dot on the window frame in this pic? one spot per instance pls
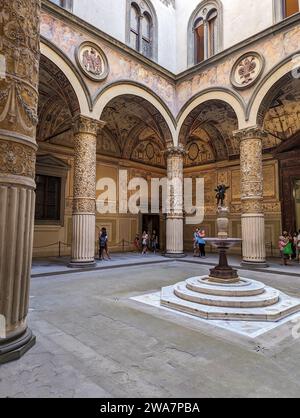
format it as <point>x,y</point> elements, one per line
<point>50,166</point>
<point>279,10</point>
<point>148,10</point>
<point>65,4</point>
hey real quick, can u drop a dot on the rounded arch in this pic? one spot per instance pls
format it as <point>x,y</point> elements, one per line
<point>260,95</point>
<point>78,85</point>
<point>125,88</point>
<point>220,95</point>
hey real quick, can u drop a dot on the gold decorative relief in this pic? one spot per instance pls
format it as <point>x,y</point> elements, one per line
<point>17,159</point>
<point>19,45</point>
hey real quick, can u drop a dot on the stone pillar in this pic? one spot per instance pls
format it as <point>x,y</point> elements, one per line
<point>174,231</point>
<point>19,64</point>
<point>253,219</point>
<point>84,202</point>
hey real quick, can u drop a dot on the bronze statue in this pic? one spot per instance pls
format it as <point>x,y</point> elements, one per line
<point>221,194</point>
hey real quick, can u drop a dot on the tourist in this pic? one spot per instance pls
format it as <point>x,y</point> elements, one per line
<point>136,242</point>
<point>287,249</point>
<point>154,242</point>
<point>145,239</point>
<point>295,245</point>
<point>103,245</point>
<point>202,243</point>
<point>298,246</point>
<point>281,245</point>
<point>195,242</point>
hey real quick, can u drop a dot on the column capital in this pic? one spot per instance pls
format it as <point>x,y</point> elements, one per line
<point>253,132</point>
<point>85,125</point>
<point>175,151</point>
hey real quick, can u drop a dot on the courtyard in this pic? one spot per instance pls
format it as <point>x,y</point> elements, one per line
<point>93,340</point>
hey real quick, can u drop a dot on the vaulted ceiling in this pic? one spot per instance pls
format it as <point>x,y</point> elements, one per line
<point>207,133</point>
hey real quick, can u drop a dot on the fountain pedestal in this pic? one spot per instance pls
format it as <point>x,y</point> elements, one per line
<point>223,272</point>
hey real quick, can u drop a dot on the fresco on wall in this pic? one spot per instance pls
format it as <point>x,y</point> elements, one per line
<point>273,48</point>
<point>122,66</point>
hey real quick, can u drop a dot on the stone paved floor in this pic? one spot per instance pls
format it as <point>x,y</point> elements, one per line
<point>55,265</point>
<point>93,341</point>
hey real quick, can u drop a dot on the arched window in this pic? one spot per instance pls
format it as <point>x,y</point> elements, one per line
<point>142,28</point>
<point>66,4</point>
<point>285,8</point>
<point>205,28</point>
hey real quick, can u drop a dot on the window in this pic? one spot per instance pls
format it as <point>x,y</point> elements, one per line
<point>204,37</point>
<point>66,4</point>
<point>199,40</point>
<point>285,8</point>
<point>142,28</point>
<point>48,193</point>
<point>289,7</point>
<point>51,177</point>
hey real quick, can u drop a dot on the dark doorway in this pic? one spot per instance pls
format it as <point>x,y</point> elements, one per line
<point>151,223</point>
<point>288,155</point>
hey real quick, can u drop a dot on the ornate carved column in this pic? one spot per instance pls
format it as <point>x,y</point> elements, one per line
<point>253,219</point>
<point>19,63</point>
<point>174,231</point>
<point>84,203</point>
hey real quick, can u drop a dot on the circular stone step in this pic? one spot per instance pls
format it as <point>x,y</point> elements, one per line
<point>243,288</point>
<point>268,298</point>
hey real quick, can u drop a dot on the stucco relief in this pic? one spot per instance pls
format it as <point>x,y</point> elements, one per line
<point>19,44</point>
<point>247,70</point>
<point>17,159</point>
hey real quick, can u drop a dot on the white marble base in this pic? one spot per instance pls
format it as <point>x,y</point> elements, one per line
<point>247,300</point>
<point>249,329</point>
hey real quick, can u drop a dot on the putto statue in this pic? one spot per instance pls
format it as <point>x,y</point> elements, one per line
<point>221,194</point>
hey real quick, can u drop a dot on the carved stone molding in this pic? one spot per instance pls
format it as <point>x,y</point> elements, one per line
<point>86,125</point>
<point>175,151</point>
<point>250,133</point>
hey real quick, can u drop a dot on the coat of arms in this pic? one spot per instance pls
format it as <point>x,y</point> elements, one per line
<point>247,70</point>
<point>92,61</point>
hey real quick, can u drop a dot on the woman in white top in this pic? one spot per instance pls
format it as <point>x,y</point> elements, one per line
<point>145,239</point>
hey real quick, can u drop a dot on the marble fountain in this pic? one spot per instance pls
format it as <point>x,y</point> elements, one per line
<point>223,294</point>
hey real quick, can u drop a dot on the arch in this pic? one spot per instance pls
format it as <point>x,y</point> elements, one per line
<point>217,94</point>
<point>126,88</point>
<point>207,6</point>
<point>75,80</point>
<point>281,70</point>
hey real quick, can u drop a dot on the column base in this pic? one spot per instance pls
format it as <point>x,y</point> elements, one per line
<point>82,264</point>
<point>174,255</point>
<point>14,349</point>
<point>255,265</point>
